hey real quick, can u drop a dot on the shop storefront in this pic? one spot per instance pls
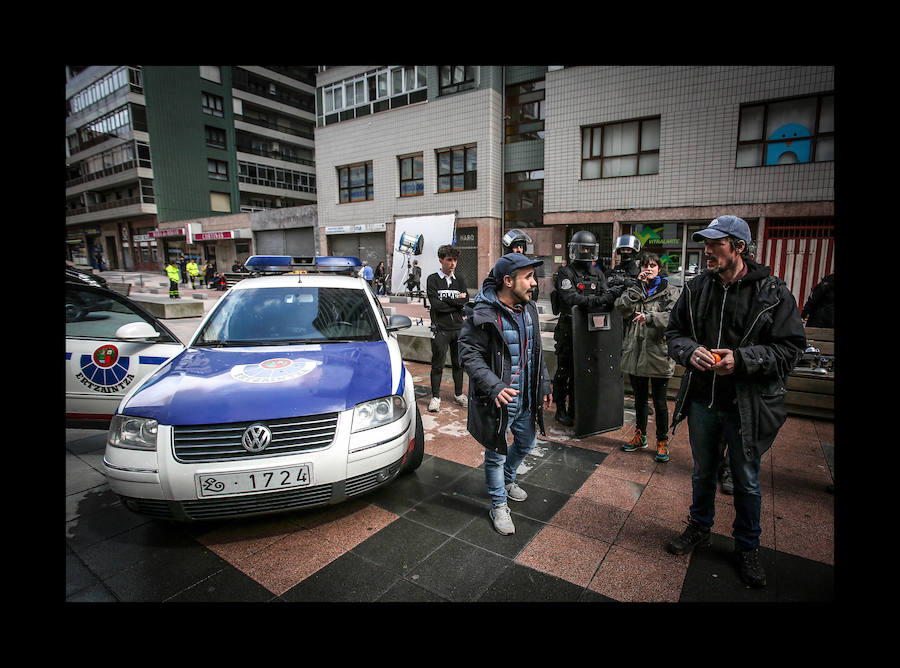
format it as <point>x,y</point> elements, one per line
<point>671,242</point>
<point>800,251</point>
<point>365,241</point>
<point>144,250</point>
<point>176,243</point>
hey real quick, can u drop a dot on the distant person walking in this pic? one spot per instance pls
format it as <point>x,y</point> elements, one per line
<point>193,272</point>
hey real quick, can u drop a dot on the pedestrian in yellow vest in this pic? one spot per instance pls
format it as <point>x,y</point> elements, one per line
<point>174,279</point>
<point>193,272</point>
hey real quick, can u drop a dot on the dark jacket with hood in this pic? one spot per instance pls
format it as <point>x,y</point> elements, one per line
<point>757,318</point>
<point>486,358</point>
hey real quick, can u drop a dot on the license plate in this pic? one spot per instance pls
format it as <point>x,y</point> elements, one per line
<point>247,482</point>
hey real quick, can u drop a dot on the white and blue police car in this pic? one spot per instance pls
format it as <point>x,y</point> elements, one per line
<point>291,394</point>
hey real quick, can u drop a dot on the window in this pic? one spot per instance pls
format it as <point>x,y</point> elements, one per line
<point>276,177</point>
<point>102,88</point>
<point>411,176</point>
<point>455,78</point>
<point>355,183</point>
<point>217,169</point>
<point>220,202</point>
<point>215,137</point>
<point>525,111</point>
<point>211,72</point>
<point>620,149</point>
<point>786,132</point>
<point>212,104</point>
<point>374,90</point>
<point>95,314</point>
<point>524,198</point>
<point>457,168</point>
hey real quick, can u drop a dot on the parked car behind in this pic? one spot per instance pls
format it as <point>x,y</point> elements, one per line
<point>112,343</point>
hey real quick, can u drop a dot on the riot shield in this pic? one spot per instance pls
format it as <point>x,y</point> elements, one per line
<point>598,383</point>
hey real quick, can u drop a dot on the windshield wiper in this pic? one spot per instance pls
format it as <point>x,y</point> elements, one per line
<point>211,344</point>
<point>231,344</point>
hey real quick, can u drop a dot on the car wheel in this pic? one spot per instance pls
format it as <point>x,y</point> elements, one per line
<point>418,451</point>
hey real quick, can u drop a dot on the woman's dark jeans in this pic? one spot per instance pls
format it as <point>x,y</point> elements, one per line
<point>642,386</point>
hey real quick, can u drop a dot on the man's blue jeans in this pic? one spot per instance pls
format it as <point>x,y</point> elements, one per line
<point>500,470</point>
<point>707,427</point>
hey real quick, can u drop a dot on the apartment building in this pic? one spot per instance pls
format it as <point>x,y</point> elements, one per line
<point>655,151</point>
<point>157,155</point>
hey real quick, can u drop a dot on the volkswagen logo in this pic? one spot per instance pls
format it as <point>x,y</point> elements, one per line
<point>256,438</point>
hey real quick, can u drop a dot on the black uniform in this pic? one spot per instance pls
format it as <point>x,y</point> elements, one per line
<point>577,284</point>
<point>446,321</point>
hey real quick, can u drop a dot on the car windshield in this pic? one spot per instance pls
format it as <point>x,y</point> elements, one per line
<point>285,315</point>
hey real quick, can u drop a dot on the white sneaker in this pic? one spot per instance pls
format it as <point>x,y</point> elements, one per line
<point>502,521</point>
<point>435,405</point>
<point>462,400</point>
<point>515,493</point>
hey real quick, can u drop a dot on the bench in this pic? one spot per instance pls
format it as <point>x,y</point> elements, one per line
<point>810,394</point>
<point>121,288</point>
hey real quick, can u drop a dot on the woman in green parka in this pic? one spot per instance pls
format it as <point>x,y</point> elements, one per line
<point>645,310</point>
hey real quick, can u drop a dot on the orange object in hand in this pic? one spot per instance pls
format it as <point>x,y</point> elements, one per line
<point>717,357</point>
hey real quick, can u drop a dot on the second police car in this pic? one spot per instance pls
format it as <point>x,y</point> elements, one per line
<point>291,394</point>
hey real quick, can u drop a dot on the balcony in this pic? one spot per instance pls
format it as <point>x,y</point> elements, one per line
<point>129,206</point>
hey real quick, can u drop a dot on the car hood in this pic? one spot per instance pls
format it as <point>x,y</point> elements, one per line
<point>214,385</point>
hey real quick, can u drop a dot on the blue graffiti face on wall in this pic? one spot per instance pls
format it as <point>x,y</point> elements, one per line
<point>792,143</point>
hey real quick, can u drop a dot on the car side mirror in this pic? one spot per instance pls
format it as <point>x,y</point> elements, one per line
<point>137,331</point>
<point>398,322</point>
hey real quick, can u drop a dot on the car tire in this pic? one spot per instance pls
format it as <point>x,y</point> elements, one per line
<point>418,451</point>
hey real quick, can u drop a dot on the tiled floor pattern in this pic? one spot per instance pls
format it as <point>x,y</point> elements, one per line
<point>592,529</point>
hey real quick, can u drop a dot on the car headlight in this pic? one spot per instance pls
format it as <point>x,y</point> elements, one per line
<point>378,412</point>
<point>135,433</point>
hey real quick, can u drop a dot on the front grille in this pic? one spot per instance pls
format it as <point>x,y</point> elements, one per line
<point>222,442</point>
<point>304,497</point>
<point>265,502</point>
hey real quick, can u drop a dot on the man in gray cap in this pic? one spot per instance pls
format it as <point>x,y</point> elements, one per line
<point>737,331</point>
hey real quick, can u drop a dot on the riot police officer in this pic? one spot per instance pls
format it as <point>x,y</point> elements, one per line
<point>625,273</point>
<point>515,241</point>
<point>579,283</point>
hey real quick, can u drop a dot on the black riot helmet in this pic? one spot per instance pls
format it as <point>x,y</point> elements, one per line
<point>515,238</point>
<point>628,241</point>
<point>584,247</point>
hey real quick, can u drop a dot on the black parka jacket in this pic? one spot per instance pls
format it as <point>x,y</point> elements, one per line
<point>486,359</point>
<point>772,341</point>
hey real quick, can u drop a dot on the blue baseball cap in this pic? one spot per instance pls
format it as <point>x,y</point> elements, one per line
<point>724,226</point>
<point>508,263</point>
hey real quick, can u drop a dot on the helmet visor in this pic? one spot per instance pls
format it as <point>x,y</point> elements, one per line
<point>580,251</point>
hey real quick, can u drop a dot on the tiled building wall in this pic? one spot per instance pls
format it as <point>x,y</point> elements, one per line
<point>699,109</point>
<point>472,117</point>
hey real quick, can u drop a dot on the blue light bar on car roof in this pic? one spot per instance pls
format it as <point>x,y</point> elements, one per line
<point>287,263</point>
<point>338,263</point>
<point>269,263</point>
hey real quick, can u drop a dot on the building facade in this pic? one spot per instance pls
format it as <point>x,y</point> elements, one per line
<point>391,143</point>
<point>658,152</point>
<point>156,153</point>
<point>655,151</point>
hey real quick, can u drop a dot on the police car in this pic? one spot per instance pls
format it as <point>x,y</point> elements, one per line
<point>291,394</point>
<point>112,343</point>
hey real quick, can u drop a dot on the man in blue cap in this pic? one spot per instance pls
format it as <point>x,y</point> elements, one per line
<point>500,349</point>
<point>737,311</point>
